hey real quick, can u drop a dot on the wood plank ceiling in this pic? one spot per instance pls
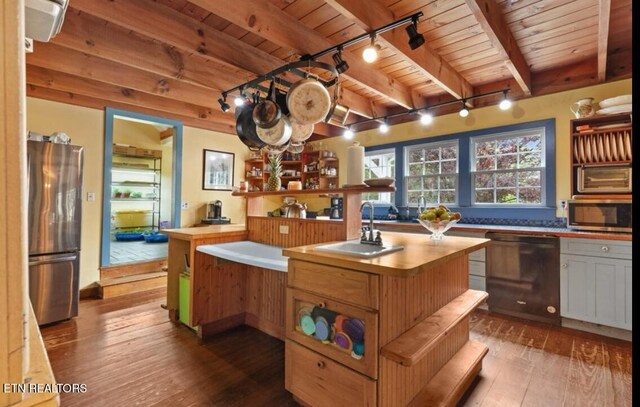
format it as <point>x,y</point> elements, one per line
<point>173,58</point>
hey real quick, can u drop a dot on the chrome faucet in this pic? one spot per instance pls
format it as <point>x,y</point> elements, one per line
<point>370,240</point>
<point>421,199</point>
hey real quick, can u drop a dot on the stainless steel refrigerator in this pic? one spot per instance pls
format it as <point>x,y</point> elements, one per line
<point>55,206</point>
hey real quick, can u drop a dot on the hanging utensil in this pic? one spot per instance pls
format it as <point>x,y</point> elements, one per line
<point>337,113</point>
<point>266,114</point>
<point>277,135</point>
<point>308,101</point>
<point>246,128</point>
<point>300,132</point>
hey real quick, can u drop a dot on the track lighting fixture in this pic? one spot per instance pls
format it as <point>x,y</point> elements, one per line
<point>223,103</point>
<point>370,53</point>
<point>426,118</point>
<point>239,99</point>
<point>464,112</point>
<point>348,133</point>
<point>415,38</point>
<point>505,104</point>
<point>341,65</point>
<point>384,127</point>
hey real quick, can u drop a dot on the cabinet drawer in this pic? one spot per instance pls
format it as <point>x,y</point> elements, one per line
<point>477,268</point>
<point>319,381</point>
<point>351,286</point>
<point>342,332</point>
<point>614,249</point>
<point>478,255</point>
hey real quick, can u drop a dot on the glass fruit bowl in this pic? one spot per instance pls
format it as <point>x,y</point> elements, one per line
<point>437,228</point>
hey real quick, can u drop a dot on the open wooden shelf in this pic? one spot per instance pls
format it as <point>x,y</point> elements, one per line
<point>316,191</point>
<point>410,347</point>
<point>448,385</point>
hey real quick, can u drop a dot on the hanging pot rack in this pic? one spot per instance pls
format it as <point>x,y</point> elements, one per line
<point>309,61</point>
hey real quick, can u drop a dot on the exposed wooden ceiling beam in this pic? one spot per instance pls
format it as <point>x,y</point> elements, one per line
<point>604,16</point>
<point>95,36</point>
<point>59,58</point>
<point>267,20</point>
<point>95,103</point>
<point>189,35</point>
<point>492,21</point>
<point>99,90</point>
<point>164,134</point>
<point>369,15</point>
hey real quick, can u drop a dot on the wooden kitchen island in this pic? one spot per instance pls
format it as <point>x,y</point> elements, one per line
<point>413,305</point>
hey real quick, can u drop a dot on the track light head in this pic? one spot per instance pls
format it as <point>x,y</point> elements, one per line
<point>384,127</point>
<point>223,103</point>
<point>505,104</point>
<point>426,118</point>
<point>341,64</point>
<point>370,53</point>
<point>348,133</point>
<point>415,38</point>
<point>464,112</point>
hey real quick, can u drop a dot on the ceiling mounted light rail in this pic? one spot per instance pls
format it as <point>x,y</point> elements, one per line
<point>425,112</point>
<point>309,61</point>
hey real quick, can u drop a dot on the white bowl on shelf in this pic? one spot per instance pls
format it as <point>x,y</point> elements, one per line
<point>615,101</point>
<point>380,182</point>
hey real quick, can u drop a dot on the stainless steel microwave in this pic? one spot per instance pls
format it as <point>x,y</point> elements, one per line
<point>604,179</point>
<point>610,215</point>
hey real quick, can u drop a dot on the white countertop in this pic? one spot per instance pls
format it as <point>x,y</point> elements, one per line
<point>247,252</point>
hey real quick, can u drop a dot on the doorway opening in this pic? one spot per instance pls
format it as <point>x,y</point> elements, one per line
<point>142,186</point>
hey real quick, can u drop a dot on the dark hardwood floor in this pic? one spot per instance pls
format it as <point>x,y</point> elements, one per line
<point>128,354</point>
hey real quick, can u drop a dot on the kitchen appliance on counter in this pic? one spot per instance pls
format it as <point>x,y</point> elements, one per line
<point>523,276</point>
<point>335,211</point>
<point>604,179</point>
<point>609,215</point>
<point>55,212</point>
<point>214,214</point>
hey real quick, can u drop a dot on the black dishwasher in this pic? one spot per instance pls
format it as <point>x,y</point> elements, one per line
<point>523,276</point>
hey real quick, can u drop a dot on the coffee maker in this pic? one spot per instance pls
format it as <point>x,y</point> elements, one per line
<point>214,213</point>
<point>335,212</point>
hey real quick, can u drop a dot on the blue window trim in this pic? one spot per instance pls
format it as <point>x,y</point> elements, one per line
<point>176,185</point>
<point>547,212</point>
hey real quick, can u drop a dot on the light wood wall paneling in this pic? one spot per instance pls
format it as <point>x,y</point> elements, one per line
<point>300,231</point>
<point>218,291</point>
<point>265,300</point>
<point>14,295</point>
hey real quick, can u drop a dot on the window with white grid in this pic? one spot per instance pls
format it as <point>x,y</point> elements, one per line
<point>379,164</point>
<point>431,170</point>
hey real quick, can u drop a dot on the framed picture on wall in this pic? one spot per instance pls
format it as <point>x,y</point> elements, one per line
<point>217,170</point>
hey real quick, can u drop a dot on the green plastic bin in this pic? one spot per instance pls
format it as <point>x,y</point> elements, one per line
<point>184,297</point>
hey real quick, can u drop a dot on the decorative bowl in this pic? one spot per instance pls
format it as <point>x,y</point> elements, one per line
<point>380,182</point>
<point>437,228</point>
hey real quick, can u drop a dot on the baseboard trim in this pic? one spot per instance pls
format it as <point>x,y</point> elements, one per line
<point>603,330</point>
<point>90,291</point>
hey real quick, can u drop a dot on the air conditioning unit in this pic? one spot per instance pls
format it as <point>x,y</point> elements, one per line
<point>43,18</point>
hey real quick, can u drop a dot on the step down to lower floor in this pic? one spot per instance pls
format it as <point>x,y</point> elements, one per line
<point>449,384</point>
<point>113,287</point>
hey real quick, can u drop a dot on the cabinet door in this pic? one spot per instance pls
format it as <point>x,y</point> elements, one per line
<point>596,289</point>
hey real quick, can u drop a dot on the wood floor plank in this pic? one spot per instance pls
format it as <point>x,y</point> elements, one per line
<point>129,354</point>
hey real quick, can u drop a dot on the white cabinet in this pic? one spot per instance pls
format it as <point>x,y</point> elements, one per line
<point>595,281</point>
<point>477,264</point>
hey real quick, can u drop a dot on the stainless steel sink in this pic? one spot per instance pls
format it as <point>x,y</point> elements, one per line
<point>357,249</point>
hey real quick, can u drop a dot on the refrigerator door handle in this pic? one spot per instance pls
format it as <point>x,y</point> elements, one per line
<point>54,260</point>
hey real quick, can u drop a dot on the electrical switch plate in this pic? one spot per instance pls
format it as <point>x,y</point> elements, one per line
<point>91,196</point>
<point>284,229</point>
<point>185,205</point>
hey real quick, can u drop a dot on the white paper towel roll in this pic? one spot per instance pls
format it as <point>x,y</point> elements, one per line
<point>355,164</point>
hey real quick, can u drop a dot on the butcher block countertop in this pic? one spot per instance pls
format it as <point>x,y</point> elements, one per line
<point>203,232</point>
<point>414,227</point>
<point>420,253</point>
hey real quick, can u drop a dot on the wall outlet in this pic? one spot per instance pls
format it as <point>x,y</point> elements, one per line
<point>562,204</point>
<point>91,196</point>
<point>184,205</point>
<point>284,229</point>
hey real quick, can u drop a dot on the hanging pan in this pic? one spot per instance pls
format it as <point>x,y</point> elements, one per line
<point>246,128</point>
<point>308,101</point>
<point>337,113</point>
<point>266,113</point>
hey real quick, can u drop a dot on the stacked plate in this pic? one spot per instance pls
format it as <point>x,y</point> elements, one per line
<point>618,104</point>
